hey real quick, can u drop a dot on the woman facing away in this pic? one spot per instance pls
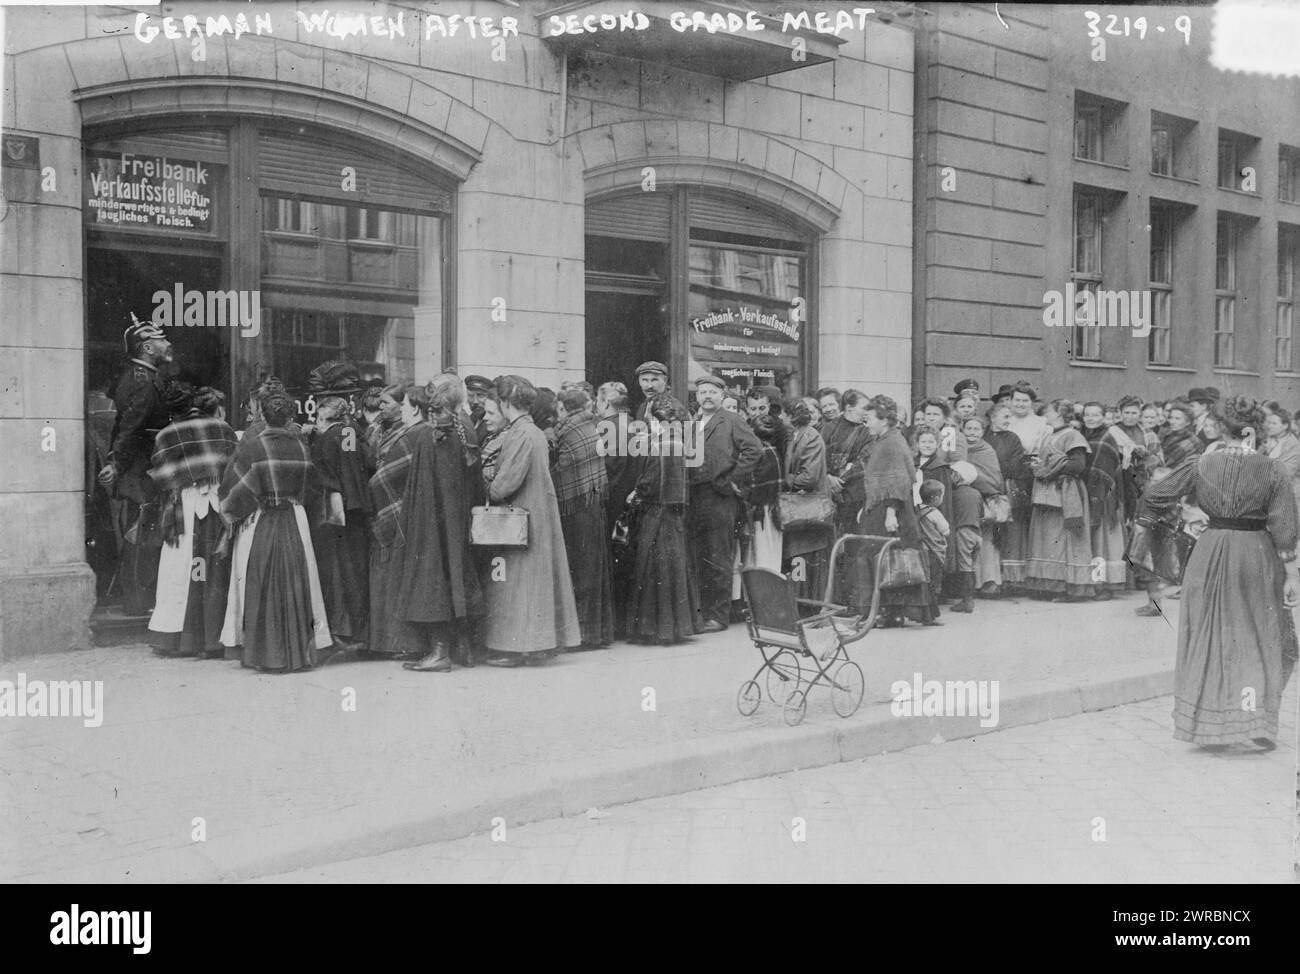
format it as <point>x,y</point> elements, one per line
<point>665,604</point>
<point>425,588</point>
<point>190,456</point>
<point>531,614</point>
<point>275,610</point>
<point>582,488</point>
<point>763,500</point>
<point>1060,546</point>
<point>1236,634</point>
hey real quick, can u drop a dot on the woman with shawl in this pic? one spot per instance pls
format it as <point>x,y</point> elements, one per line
<point>888,476</point>
<point>1031,429</point>
<point>665,603</point>
<point>275,610</point>
<point>1060,546</point>
<point>762,501</point>
<point>189,458</point>
<point>984,480</point>
<point>1236,634</point>
<point>581,488</point>
<point>805,550</point>
<point>1110,454</point>
<point>1180,441</point>
<point>425,589</point>
<point>1281,443</point>
<point>1017,485</point>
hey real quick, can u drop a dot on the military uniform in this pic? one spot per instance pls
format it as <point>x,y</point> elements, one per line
<point>141,413</point>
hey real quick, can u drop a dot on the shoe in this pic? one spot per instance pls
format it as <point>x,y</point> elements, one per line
<point>1148,610</point>
<point>713,625</point>
<point>1264,742</point>
<point>506,661</point>
<point>933,622</point>
<point>436,662</point>
<point>349,645</point>
<point>1105,595</point>
<point>967,584</point>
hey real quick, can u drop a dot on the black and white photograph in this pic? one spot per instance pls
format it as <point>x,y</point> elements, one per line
<point>623,442</point>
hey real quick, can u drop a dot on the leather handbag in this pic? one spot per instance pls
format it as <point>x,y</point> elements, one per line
<point>805,510</point>
<point>902,568</point>
<point>498,527</point>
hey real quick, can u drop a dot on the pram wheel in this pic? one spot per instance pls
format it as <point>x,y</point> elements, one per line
<point>796,705</point>
<point>783,676</point>
<point>749,697</point>
<point>847,687</point>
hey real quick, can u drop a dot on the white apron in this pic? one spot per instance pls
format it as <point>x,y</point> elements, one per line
<point>175,563</point>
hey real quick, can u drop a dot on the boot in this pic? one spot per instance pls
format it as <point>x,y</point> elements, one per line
<point>436,662</point>
<point>463,654</point>
<point>966,603</point>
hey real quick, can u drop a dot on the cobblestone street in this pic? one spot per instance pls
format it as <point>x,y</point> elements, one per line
<point>1022,805</point>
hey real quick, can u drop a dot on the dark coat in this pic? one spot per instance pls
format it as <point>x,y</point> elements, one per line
<point>141,414</point>
<point>731,451</point>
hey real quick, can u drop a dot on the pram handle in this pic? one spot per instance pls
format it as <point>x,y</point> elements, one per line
<point>864,625</point>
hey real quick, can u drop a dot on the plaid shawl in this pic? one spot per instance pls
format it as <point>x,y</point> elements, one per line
<point>388,485</point>
<point>189,451</point>
<point>1177,445</point>
<point>888,471</point>
<point>272,466</point>
<point>1104,475</point>
<point>578,470</point>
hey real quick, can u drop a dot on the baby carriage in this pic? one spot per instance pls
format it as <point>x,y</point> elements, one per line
<point>807,650</point>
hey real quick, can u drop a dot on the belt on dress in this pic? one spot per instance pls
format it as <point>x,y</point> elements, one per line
<point>1238,523</point>
<point>271,502</point>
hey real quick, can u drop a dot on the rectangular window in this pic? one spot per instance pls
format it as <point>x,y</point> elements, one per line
<point>1238,162</point>
<point>1288,256</point>
<point>1162,149</point>
<point>1087,132</point>
<point>1225,293</point>
<point>1228,175</point>
<point>1160,338</point>
<point>1288,174</point>
<point>1086,271</point>
<point>1099,129</point>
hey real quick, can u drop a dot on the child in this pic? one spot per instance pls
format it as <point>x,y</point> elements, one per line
<point>934,536</point>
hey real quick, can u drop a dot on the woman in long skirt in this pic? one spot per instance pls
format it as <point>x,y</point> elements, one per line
<point>888,477</point>
<point>341,532</point>
<point>427,582</point>
<point>665,605</point>
<point>275,611</point>
<point>1236,634</point>
<point>190,456</point>
<point>531,614</point>
<point>1060,545</point>
<point>763,500</point>
<point>1110,452</point>
<point>1017,480</point>
<point>805,551</point>
<point>581,488</point>
<point>1031,430</point>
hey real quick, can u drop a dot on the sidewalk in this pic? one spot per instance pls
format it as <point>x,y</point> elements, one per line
<point>284,778</point>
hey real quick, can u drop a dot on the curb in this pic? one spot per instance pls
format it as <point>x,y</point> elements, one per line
<point>577,786</point>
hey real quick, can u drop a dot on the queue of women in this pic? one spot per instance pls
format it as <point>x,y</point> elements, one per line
<point>357,534</point>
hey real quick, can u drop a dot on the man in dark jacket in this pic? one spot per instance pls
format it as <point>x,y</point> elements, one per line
<point>729,455</point>
<point>141,413</point>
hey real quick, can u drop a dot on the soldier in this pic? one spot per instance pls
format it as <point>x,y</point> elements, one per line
<point>141,413</point>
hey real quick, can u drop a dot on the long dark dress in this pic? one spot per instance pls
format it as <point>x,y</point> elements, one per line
<point>1019,481</point>
<point>1060,537</point>
<point>421,570</point>
<point>1236,639</point>
<point>581,486</point>
<point>343,551</point>
<point>887,478</point>
<point>621,471</point>
<point>665,603</point>
<point>1108,505</point>
<point>805,551</point>
<point>275,609</point>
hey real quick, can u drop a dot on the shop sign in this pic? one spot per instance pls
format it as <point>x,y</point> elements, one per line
<point>127,191</point>
<point>746,345</point>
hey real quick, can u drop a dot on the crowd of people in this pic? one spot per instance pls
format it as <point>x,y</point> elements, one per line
<point>279,544</point>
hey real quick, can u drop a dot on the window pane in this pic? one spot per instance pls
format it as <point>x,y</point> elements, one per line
<point>1087,235</point>
<point>1227,164</point>
<point>1087,133</point>
<point>1284,325</point>
<point>1225,257</point>
<point>1161,246</point>
<point>1158,342</point>
<point>1162,153</point>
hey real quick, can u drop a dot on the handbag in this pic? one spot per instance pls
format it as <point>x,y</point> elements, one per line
<point>498,527</point>
<point>1047,493</point>
<point>996,509</point>
<point>902,568</point>
<point>805,510</point>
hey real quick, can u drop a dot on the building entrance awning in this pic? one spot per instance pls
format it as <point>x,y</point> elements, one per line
<point>727,40</point>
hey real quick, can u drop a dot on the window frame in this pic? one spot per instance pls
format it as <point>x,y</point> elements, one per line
<point>1085,340</point>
